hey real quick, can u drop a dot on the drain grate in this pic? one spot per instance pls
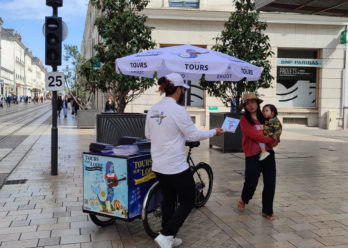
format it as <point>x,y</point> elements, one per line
<point>20,181</point>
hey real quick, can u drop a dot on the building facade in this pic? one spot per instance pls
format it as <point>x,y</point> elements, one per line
<point>21,73</point>
<point>308,65</point>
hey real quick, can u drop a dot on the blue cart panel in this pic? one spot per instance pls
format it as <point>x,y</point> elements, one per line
<point>116,186</point>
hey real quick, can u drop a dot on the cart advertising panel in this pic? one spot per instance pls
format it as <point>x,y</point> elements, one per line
<point>141,178</point>
<point>105,188</point>
<point>116,186</point>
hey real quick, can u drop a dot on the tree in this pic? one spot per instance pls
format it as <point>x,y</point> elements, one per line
<point>243,37</point>
<point>77,85</point>
<point>122,29</point>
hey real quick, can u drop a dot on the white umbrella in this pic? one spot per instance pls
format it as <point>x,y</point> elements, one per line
<point>190,61</point>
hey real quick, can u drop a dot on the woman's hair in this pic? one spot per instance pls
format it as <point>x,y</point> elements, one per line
<point>166,86</point>
<point>272,108</point>
<point>259,115</point>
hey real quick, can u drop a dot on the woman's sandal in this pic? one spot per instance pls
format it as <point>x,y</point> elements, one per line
<point>268,216</point>
<point>241,205</point>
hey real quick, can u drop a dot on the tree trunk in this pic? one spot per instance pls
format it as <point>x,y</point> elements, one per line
<point>120,101</point>
<point>238,102</point>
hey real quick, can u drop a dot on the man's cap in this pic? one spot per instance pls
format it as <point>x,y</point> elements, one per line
<point>177,80</point>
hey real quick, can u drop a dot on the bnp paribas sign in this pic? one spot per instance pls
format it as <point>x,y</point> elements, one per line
<point>299,62</point>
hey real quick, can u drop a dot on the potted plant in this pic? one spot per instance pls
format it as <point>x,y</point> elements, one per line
<point>242,37</point>
<point>78,87</point>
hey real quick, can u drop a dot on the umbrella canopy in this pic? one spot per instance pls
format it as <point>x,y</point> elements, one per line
<point>190,61</point>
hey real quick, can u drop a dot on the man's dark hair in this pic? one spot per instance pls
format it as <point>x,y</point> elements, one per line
<point>166,86</point>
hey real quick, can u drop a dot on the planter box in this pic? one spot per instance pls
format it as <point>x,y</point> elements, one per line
<point>111,127</point>
<point>86,118</point>
<point>228,141</point>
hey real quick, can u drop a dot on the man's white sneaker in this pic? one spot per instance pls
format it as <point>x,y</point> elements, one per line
<point>263,155</point>
<point>164,241</point>
<point>177,242</point>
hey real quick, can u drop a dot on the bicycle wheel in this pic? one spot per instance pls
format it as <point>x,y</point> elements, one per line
<point>203,176</point>
<point>152,212</point>
<point>100,220</point>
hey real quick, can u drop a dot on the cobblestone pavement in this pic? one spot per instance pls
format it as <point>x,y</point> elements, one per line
<point>311,202</point>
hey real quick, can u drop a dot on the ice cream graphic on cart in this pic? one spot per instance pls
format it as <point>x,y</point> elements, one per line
<point>105,191</point>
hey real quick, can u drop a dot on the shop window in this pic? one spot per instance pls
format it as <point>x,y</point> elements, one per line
<point>184,3</point>
<point>195,95</point>
<point>297,78</point>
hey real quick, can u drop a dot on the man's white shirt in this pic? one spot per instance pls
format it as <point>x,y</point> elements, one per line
<point>168,126</point>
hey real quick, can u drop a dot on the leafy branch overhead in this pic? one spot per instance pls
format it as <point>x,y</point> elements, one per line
<point>243,37</point>
<point>122,31</point>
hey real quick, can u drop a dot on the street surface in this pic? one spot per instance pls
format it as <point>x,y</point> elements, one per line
<point>17,122</point>
<point>311,201</point>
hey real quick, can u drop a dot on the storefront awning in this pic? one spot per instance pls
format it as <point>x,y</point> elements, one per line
<point>337,8</point>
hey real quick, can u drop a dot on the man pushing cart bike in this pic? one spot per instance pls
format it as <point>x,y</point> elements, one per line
<point>168,125</point>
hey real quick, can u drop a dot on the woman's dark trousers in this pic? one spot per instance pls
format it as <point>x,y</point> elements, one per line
<point>178,186</point>
<point>253,168</point>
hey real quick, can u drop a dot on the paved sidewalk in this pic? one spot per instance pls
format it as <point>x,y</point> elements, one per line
<point>311,202</point>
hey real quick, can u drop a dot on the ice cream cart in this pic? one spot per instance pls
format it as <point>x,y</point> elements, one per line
<point>115,186</point>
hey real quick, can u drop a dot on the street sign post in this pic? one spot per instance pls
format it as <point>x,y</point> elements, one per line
<point>54,80</point>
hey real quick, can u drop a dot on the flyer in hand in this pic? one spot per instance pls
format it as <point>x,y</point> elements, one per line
<point>230,124</point>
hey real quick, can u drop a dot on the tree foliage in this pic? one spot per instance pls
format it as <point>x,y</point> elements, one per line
<point>243,37</point>
<point>122,32</point>
<point>77,85</point>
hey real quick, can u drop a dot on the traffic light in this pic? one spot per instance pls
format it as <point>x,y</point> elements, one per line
<point>54,3</point>
<point>53,33</point>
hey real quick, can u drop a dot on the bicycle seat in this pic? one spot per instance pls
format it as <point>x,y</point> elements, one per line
<point>192,144</point>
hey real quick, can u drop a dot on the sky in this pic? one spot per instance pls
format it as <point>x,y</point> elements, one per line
<point>28,16</point>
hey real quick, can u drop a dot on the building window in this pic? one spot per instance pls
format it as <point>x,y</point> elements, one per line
<point>184,3</point>
<point>297,78</point>
<point>195,95</point>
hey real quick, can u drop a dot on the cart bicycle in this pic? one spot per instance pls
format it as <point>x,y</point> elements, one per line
<point>151,197</point>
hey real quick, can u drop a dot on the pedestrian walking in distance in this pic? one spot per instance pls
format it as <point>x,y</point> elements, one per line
<point>65,106</point>
<point>59,105</point>
<point>252,125</point>
<point>168,125</point>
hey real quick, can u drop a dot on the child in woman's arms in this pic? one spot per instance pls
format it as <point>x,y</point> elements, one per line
<point>272,128</point>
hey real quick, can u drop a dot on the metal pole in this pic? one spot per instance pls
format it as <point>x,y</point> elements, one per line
<point>54,133</point>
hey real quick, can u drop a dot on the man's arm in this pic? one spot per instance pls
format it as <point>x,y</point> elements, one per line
<point>188,128</point>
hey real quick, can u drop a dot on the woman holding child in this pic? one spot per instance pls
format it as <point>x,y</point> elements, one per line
<point>259,160</point>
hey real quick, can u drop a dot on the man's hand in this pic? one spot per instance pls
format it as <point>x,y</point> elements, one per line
<point>219,131</point>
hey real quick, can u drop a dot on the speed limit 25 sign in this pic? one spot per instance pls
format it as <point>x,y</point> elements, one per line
<point>54,81</point>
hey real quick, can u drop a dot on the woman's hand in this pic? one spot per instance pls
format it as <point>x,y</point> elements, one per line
<point>276,141</point>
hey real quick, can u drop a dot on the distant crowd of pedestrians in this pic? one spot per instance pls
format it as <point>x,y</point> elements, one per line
<point>67,103</point>
<point>13,99</point>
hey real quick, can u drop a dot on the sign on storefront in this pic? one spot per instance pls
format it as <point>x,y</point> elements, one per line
<point>213,108</point>
<point>300,62</point>
<point>344,38</point>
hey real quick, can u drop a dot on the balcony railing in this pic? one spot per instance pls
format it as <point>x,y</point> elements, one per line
<point>184,3</point>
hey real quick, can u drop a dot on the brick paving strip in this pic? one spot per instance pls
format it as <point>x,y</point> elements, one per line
<point>46,210</point>
<point>10,159</point>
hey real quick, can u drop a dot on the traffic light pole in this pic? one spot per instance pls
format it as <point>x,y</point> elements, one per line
<point>54,129</point>
<point>54,80</point>
<point>54,133</point>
